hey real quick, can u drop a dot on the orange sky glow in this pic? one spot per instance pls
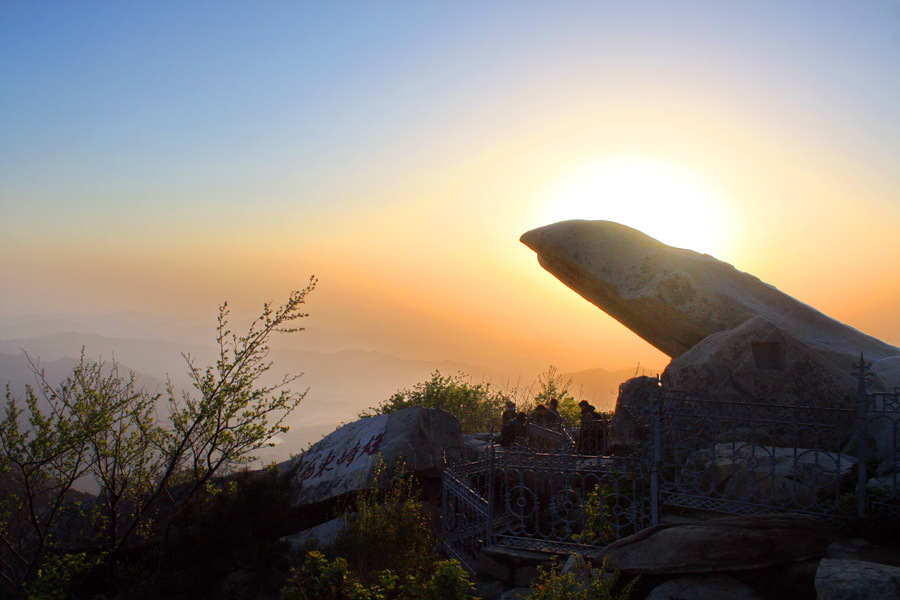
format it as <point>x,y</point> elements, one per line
<point>400,165</point>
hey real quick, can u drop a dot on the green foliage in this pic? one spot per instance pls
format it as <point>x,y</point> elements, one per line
<point>95,424</point>
<point>98,424</point>
<point>388,529</point>
<point>448,581</point>
<point>385,552</point>
<point>323,579</point>
<point>596,584</point>
<point>233,524</point>
<point>476,405</point>
<point>235,414</point>
<point>551,385</point>
<point>597,524</point>
<point>57,572</point>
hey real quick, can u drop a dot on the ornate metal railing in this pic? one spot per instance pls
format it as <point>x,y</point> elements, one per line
<point>552,502</point>
<point>466,519</point>
<point>556,439</point>
<point>546,494</point>
<point>563,502</point>
<point>751,458</point>
<point>882,425</point>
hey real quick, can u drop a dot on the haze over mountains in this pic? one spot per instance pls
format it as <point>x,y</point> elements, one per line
<point>345,372</point>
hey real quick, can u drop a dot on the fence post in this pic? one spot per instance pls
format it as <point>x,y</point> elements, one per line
<point>490,499</point>
<point>862,403</point>
<point>445,504</point>
<point>656,457</point>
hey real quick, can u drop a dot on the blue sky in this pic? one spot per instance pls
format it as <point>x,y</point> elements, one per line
<point>162,156</point>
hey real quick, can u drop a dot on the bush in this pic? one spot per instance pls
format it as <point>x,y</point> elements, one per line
<point>388,529</point>
<point>387,551</point>
<point>476,405</point>
<point>57,573</point>
<point>99,425</point>
<point>234,524</point>
<point>551,584</point>
<point>321,579</point>
<point>551,385</point>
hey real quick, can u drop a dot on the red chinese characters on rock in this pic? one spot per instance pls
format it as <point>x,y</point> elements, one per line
<point>316,468</point>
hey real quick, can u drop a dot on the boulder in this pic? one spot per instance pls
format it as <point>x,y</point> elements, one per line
<point>488,567</point>
<point>759,361</point>
<point>630,428</point>
<point>512,566</point>
<point>488,589</point>
<point>725,544</point>
<point>756,473</point>
<point>841,579</point>
<point>703,587</point>
<point>421,439</point>
<point>886,486</point>
<point>578,567</point>
<point>732,337</point>
<point>320,536</point>
<point>675,298</point>
<point>477,444</point>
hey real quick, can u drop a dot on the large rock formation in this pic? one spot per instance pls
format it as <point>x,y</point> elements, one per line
<point>725,544</point>
<point>732,336</point>
<point>345,461</point>
<point>759,361</point>
<point>631,428</point>
<point>848,579</point>
<point>754,473</point>
<point>703,587</point>
<point>674,298</point>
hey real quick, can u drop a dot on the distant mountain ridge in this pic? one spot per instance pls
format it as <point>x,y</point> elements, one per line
<point>601,387</point>
<point>340,383</point>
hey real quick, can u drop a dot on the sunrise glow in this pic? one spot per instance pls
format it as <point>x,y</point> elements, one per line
<point>663,200</point>
<point>158,160</point>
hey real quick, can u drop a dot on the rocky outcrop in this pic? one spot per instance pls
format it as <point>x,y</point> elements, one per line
<point>630,429</point>
<point>726,544</point>
<point>759,361</point>
<point>768,474</point>
<point>511,566</point>
<point>675,298</point>
<point>320,536</point>
<point>732,337</point>
<point>421,439</point>
<point>703,587</point>
<point>839,579</point>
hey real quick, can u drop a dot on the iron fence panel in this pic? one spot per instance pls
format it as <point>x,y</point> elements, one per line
<point>883,428</point>
<point>751,458</point>
<point>702,454</point>
<point>465,523</point>
<point>554,502</point>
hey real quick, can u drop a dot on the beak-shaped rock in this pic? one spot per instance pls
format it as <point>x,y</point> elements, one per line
<point>674,298</point>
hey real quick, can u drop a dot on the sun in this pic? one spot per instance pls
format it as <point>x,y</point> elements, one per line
<point>661,199</point>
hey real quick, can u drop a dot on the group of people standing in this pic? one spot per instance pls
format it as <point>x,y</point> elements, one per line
<point>513,424</point>
<point>591,437</point>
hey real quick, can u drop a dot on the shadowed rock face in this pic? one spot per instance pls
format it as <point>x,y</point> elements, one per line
<point>724,544</point>
<point>344,462</point>
<point>674,298</point>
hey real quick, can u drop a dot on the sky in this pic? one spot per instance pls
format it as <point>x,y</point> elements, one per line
<point>158,158</point>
